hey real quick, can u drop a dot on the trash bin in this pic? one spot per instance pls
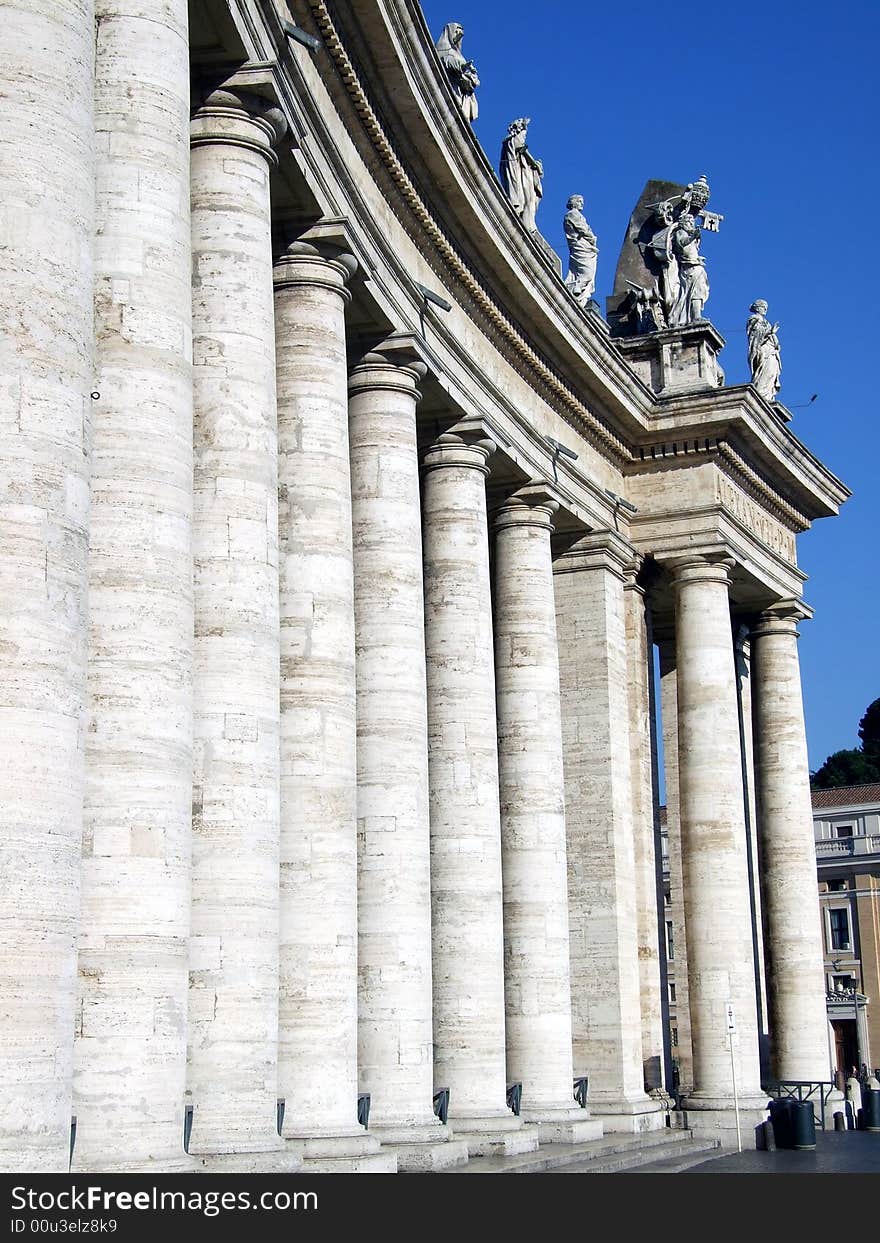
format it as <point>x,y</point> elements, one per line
<point>780,1118</point>
<point>871,1109</point>
<point>803,1126</point>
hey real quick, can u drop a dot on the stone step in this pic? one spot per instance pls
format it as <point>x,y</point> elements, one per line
<point>694,1154</point>
<point>687,1152</point>
<point>648,1146</point>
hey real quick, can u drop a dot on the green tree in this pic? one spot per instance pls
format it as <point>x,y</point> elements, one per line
<point>859,766</point>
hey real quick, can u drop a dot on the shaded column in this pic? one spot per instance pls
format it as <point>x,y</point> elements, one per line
<point>638,655</point>
<point>716,890</point>
<point>134,929</point>
<point>796,981</point>
<point>46,376</point>
<point>468,934</point>
<point>602,888</point>
<point>533,838</point>
<point>233,1004</point>
<point>394,861</point>
<point>317,1068</point>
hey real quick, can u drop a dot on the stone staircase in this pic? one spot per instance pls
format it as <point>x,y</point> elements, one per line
<point>654,1152</point>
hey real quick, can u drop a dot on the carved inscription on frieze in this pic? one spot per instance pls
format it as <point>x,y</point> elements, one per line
<point>756,519</point>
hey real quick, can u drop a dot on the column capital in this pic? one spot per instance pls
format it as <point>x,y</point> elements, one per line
<point>305,264</point>
<point>781,618</point>
<point>708,567</point>
<point>239,119</point>
<point>459,449</point>
<point>533,505</point>
<point>601,550</point>
<point>378,371</point>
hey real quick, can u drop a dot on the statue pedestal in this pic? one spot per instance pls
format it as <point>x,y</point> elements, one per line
<point>676,360</point>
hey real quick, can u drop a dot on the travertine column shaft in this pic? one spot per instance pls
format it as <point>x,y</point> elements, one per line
<point>533,849</point>
<point>677,965</point>
<point>639,654</point>
<point>468,936</point>
<point>716,889</point>
<point>394,902</point>
<point>602,897</point>
<point>795,975</point>
<point>317,1070</point>
<point>134,930</point>
<point>233,1005</point>
<point>46,375</point>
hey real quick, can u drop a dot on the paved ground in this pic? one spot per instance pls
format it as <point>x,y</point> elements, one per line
<point>837,1152</point>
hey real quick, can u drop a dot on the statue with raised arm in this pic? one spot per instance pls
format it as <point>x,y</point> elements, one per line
<point>764,357</point>
<point>583,251</point>
<point>521,173</point>
<point>460,71</point>
<point>693,283</point>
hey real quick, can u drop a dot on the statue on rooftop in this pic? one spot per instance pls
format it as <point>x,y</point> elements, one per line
<point>461,72</point>
<point>764,356</point>
<point>583,251</point>
<point>521,173</point>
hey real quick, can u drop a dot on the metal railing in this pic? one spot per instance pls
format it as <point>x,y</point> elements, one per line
<point>581,1086</point>
<point>441,1104</point>
<point>514,1097</point>
<point>803,1090</point>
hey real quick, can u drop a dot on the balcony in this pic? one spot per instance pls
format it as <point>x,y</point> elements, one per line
<point>847,847</point>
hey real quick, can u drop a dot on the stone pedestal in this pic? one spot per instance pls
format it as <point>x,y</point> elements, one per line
<point>233,1006</point>
<point>394,893</point>
<point>602,894</point>
<point>676,360</point>
<point>716,891</point>
<point>536,916</point>
<point>796,984</point>
<point>46,375</point>
<point>468,939</point>
<point>317,1076</point>
<point>134,938</point>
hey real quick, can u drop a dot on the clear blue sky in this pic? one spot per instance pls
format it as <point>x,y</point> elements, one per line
<point>777,103</point>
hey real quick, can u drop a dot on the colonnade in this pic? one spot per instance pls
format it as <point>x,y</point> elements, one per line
<point>358,816</point>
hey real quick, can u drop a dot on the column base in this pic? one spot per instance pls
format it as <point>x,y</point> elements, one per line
<point>150,1165</point>
<point>495,1135</point>
<point>630,1117</point>
<point>564,1126</point>
<point>422,1148</point>
<point>340,1152</point>
<point>716,1117</point>
<point>275,1161</point>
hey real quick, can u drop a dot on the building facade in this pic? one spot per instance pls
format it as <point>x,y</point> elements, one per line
<point>337,537</point>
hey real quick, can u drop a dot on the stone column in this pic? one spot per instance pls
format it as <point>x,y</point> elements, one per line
<point>233,1004</point>
<point>394,896</point>
<point>794,938</point>
<point>716,889</point>
<point>134,927</point>
<point>468,931</point>
<point>533,840</point>
<point>602,895</point>
<point>46,376</point>
<point>639,655</point>
<point>676,965</point>
<point>317,1072</point>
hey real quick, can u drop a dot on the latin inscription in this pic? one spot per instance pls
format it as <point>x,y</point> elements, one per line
<point>764,528</point>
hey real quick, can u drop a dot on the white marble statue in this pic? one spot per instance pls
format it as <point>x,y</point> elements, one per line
<point>693,283</point>
<point>521,173</point>
<point>583,251</point>
<point>764,357</point>
<point>460,71</point>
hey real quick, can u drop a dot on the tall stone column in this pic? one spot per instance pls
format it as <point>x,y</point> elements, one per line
<point>233,1002</point>
<point>794,939</point>
<point>317,1075</point>
<point>394,861</point>
<point>639,655</point>
<point>468,930</point>
<point>602,891</point>
<point>676,962</point>
<point>533,835</point>
<point>46,376</point>
<point>716,890</point>
<point>134,928</point>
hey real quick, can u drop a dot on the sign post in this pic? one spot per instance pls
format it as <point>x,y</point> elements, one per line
<point>730,1016</point>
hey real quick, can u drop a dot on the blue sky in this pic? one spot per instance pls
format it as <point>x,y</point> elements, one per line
<point>777,103</point>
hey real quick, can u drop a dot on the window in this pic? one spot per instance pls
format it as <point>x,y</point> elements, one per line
<point>844,830</point>
<point>840,983</point>
<point>673,1031</point>
<point>671,994</point>
<point>670,942</point>
<point>836,886</point>
<point>838,927</point>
